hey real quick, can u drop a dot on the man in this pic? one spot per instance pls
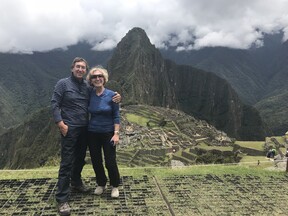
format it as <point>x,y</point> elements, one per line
<point>69,103</point>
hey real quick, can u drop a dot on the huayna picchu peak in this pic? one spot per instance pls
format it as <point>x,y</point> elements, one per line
<point>144,77</point>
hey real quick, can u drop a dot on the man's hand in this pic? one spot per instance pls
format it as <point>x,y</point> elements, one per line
<point>116,98</point>
<point>63,128</point>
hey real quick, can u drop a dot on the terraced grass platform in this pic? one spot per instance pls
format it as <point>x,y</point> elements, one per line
<point>195,194</point>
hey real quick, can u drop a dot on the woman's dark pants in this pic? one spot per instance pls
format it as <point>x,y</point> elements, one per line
<point>97,142</point>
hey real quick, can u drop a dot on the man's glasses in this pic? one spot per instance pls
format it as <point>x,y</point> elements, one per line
<point>96,76</point>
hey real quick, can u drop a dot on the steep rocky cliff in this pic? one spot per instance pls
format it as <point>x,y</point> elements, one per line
<point>143,76</point>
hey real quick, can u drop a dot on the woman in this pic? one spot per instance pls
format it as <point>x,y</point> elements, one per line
<point>103,130</point>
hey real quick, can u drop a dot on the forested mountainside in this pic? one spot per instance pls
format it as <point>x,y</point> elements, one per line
<point>258,74</point>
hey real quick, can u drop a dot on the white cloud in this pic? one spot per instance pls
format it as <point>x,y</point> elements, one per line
<point>33,25</point>
<point>106,44</point>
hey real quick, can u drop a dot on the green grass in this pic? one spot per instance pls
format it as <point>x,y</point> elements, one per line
<point>216,170</point>
<point>280,139</point>
<point>221,148</point>
<point>140,120</point>
<point>252,161</point>
<point>258,145</point>
<point>241,169</point>
<point>249,159</point>
<point>52,172</point>
<point>143,120</point>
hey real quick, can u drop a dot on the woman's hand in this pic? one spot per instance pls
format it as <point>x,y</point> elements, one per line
<point>115,139</point>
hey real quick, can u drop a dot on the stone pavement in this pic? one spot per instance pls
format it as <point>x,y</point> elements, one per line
<point>149,195</point>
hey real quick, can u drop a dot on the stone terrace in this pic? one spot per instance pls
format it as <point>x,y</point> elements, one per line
<point>181,131</point>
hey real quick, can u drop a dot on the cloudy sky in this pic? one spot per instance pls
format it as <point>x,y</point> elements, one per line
<point>42,25</point>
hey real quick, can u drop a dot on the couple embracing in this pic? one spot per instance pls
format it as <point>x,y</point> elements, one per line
<point>87,114</point>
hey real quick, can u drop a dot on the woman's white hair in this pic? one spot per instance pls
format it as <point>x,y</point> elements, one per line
<point>98,68</point>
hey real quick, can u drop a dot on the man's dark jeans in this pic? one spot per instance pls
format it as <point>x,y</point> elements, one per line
<point>73,152</point>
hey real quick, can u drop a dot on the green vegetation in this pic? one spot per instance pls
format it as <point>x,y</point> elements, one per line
<point>140,120</point>
<point>257,162</point>
<point>221,148</point>
<point>273,110</point>
<point>146,118</point>
<point>241,169</point>
<point>280,139</point>
<point>258,145</point>
<point>216,170</point>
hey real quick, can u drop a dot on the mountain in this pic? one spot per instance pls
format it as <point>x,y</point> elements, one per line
<point>144,77</point>
<point>257,74</point>
<point>273,106</point>
<point>274,109</point>
<point>31,143</point>
<point>234,66</point>
<point>27,81</point>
